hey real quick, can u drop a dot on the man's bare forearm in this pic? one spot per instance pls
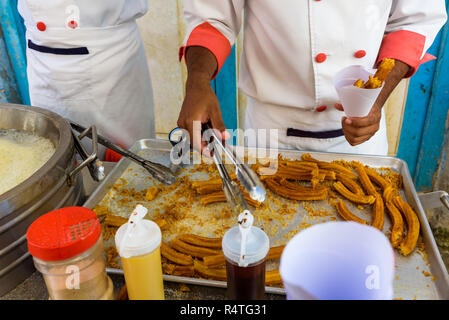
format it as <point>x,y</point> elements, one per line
<point>201,64</point>
<point>398,73</point>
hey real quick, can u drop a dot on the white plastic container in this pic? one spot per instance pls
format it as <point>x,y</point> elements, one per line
<point>338,261</point>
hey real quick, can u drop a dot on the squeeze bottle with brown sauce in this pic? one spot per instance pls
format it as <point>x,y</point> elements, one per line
<point>245,248</point>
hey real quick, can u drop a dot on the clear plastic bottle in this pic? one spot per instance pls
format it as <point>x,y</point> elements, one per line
<point>67,249</point>
<point>245,250</point>
<point>138,243</point>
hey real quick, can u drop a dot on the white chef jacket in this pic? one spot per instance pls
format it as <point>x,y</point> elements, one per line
<point>292,50</point>
<point>86,62</point>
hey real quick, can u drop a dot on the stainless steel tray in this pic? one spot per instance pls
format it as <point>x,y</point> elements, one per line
<point>418,276</point>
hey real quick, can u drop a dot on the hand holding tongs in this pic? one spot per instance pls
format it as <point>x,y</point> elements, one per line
<point>156,170</point>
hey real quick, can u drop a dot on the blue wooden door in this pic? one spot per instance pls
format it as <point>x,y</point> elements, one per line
<point>13,53</point>
<point>225,87</point>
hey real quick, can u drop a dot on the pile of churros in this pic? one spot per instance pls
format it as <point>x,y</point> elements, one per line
<point>378,79</point>
<point>355,182</point>
<point>188,253</point>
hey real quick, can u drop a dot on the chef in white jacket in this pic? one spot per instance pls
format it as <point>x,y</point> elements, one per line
<point>292,50</point>
<point>86,62</point>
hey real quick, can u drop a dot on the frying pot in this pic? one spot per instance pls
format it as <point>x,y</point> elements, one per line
<point>51,187</point>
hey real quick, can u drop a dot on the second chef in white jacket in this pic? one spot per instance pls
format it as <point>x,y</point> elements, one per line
<point>291,52</point>
<point>86,62</point>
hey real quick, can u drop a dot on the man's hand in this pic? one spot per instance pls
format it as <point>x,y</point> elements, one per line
<point>200,103</point>
<point>360,130</point>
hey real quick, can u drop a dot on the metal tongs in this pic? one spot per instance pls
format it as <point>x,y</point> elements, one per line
<point>156,170</point>
<point>90,161</point>
<point>247,177</point>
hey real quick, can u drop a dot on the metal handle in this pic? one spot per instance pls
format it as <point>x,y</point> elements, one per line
<point>157,170</point>
<point>91,161</point>
<point>434,200</point>
<point>444,197</point>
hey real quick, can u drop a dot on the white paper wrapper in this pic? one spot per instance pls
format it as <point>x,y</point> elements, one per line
<point>357,102</point>
<point>338,261</point>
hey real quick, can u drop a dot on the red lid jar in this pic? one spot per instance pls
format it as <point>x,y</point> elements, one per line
<point>63,233</point>
<point>67,248</point>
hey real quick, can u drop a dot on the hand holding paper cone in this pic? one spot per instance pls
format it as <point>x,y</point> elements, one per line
<point>362,95</point>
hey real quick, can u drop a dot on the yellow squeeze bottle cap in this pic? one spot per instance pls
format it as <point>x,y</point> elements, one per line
<point>138,236</point>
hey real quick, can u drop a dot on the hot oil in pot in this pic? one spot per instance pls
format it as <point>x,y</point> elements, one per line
<point>21,154</point>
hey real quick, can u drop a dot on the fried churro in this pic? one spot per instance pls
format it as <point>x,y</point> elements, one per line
<point>272,277</point>
<point>176,270</point>
<point>377,178</point>
<point>346,214</point>
<point>175,256</point>
<point>378,213</point>
<point>351,184</point>
<point>151,193</point>
<point>194,251</point>
<point>372,83</point>
<point>214,261</point>
<point>328,174</point>
<point>384,69</point>
<point>275,252</point>
<point>210,186</point>
<point>389,193</point>
<point>298,174</point>
<point>411,238</point>
<point>220,197</point>
<point>114,221</point>
<point>397,228</point>
<point>379,78</point>
<point>359,83</point>
<point>364,179</point>
<point>337,168</point>
<point>216,274</point>
<point>117,221</point>
<point>304,165</point>
<point>299,193</point>
<point>353,197</point>
<point>183,271</point>
<point>193,239</point>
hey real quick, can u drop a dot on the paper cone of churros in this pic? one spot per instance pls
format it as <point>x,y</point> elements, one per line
<point>358,87</point>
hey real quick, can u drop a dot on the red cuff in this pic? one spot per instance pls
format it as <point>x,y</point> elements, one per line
<point>406,46</point>
<point>205,35</point>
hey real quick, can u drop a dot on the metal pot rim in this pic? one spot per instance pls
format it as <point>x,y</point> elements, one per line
<point>65,136</point>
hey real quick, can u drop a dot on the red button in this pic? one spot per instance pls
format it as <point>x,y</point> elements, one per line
<point>72,24</point>
<point>360,54</point>
<point>321,109</point>
<point>320,58</point>
<point>41,26</point>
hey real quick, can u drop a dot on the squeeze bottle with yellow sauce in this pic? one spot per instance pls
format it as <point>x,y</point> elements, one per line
<point>138,243</point>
